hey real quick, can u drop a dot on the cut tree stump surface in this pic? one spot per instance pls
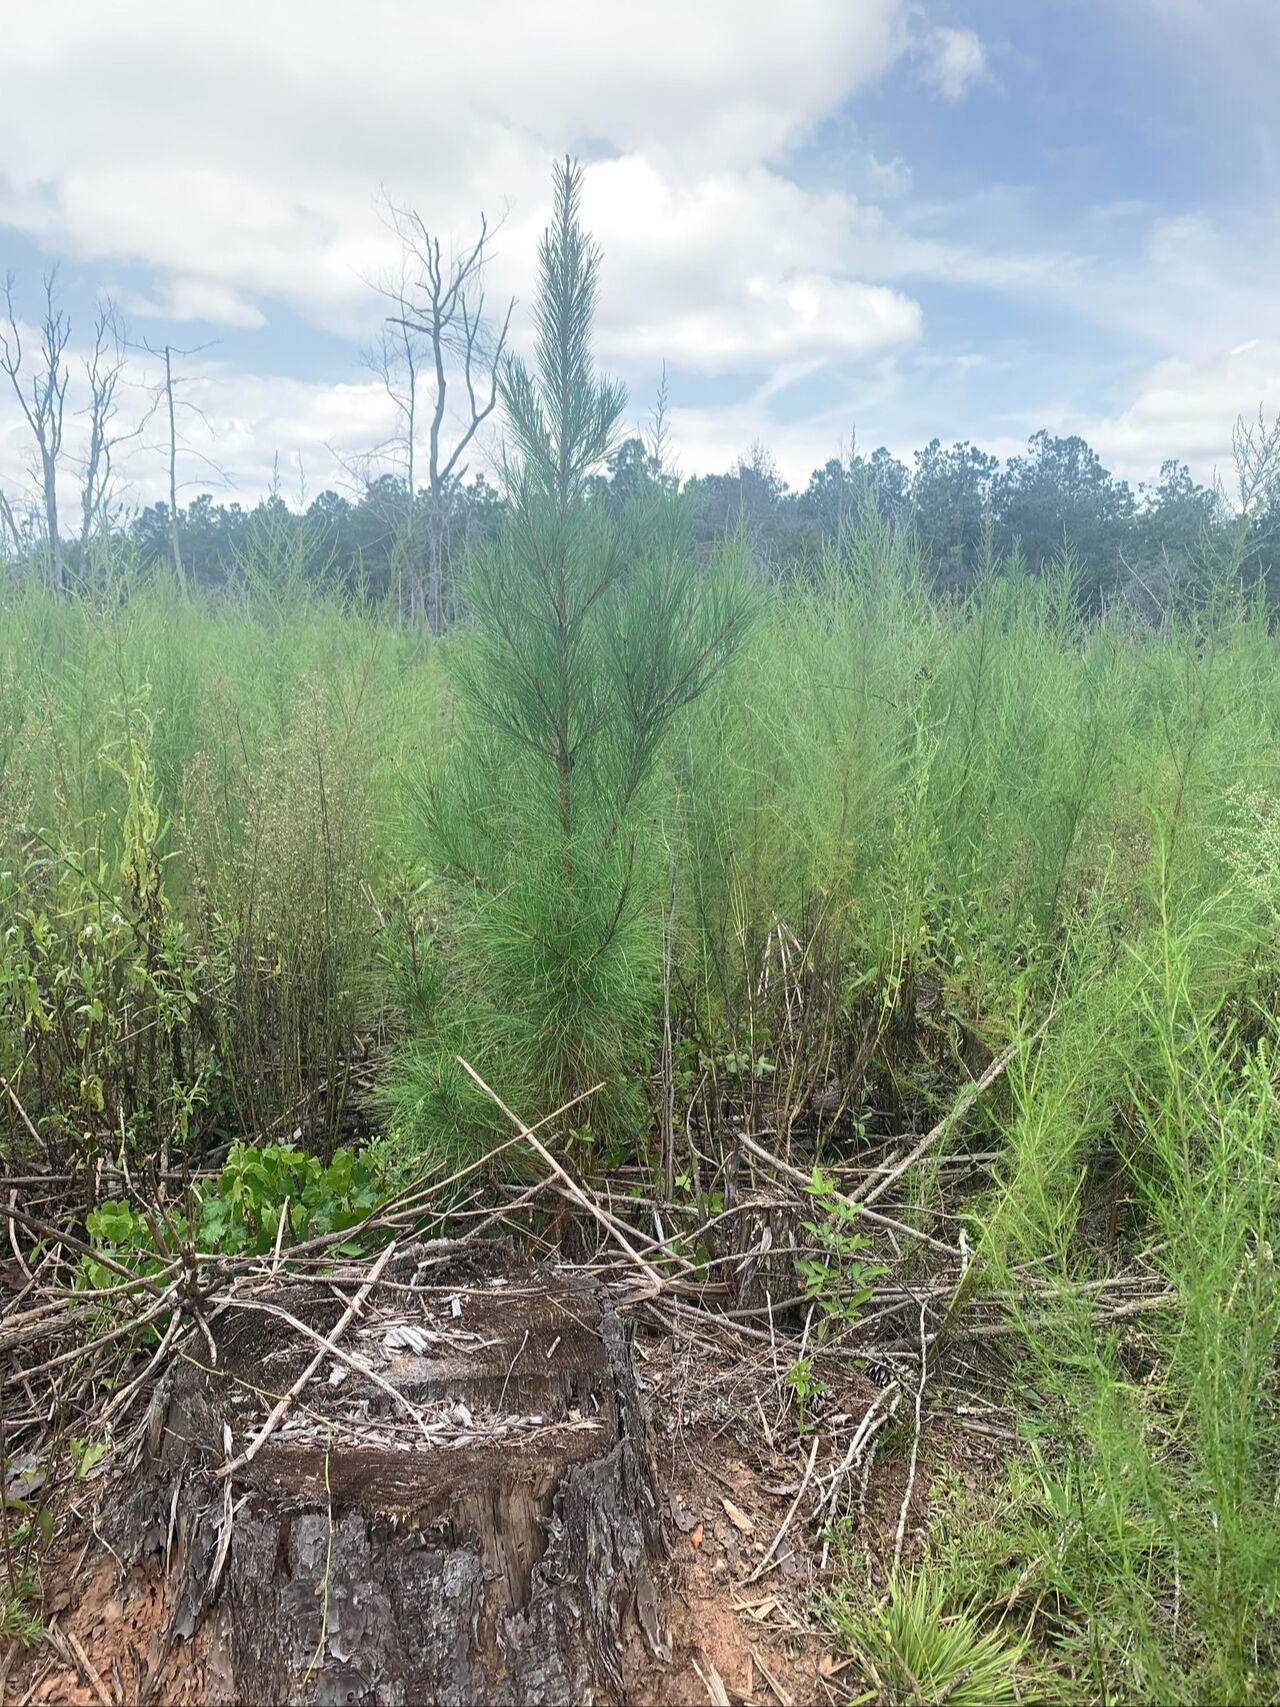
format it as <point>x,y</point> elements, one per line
<point>474,1525</point>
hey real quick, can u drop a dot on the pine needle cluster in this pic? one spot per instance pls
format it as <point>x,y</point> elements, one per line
<point>589,634</point>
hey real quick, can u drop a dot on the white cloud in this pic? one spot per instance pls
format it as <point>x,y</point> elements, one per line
<point>231,160</point>
<point>888,179</point>
<point>182,298</point>
<point>713,440</point>
<point>954,60</point>
<point>245,153</point>
<point>733,272</point>
<point>236,160</point>
<point>793,319</point>
<point>1185,408</point>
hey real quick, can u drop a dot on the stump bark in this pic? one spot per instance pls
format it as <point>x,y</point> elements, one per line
<point>767,1234</point>
<point>473,1526</point>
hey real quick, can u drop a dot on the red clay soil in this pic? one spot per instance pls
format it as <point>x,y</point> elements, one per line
<point>724,1638</point>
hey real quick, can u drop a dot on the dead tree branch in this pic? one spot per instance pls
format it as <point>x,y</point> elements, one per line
<point>439,313</point>
<point>42,398</point>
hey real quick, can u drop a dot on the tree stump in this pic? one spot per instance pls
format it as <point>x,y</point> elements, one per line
<point>475,1525</point>
<point>766,1233</point>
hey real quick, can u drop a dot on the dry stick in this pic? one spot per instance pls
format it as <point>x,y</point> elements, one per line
<point>86,1667</point>
<point>763,1566</point>
<point>407,1205</point>
<point>805,1180</point>
<point>868,1192</point>
<point>13,1240</point>
<point>17,1297</point>
<point>275,1260</point>
<point>784,1699</point>
<point>326,1350</point>
<point>120,1400</point>
<point>713,1683</point>
<point>352,1363</point>
<point>10,1654</point>
<point>617,1225</point>
<point>745,1331</point>
<point>34,1224</point>
<point>915,1453</point>
<point>22,1113</point>
<point>668,1048</point>
<point>873,1420</point>
<point>606,1221</point>
<point>91,1348</point>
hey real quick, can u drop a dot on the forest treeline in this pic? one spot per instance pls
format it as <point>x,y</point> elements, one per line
<point>962,505</point>
<point>416,506</point>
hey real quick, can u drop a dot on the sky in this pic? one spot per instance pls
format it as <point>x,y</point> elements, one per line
<point>886,220</point>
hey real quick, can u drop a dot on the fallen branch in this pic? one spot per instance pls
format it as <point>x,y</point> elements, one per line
<point>579,1196</point>
<point>763,1566</point>
<point>805,1181</point>
<point>326,1350</point>
<point>873,1188</point>
<point>915,1453</point>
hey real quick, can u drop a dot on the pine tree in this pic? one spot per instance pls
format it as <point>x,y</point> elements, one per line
<point>588,635</point>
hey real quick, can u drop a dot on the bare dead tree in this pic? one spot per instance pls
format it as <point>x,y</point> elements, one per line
<point>440,299</point>
<point>398,359</point>
<point>10,524</point>
<point>42,398</point>
<point>103,367</point>
<point>166,397</point>
<point>1256,449</point>
<point>173,465</point>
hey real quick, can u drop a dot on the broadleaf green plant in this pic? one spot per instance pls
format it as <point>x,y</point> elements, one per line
<point>242,1211</point>
<point>840,1281</point>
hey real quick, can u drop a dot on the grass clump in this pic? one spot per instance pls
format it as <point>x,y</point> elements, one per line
<point>1140,1542</point>
<point>921,1644</point>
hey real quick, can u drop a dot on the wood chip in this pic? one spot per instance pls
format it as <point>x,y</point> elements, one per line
<point>713,1681</point>
<point>761,1610</point>
<point>696,1538</point>
<point>738,1518</point>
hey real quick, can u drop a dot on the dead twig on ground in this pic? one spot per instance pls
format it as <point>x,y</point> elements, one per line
<point>326,1350</point>
<point>901,1531</point>
<point>875,1187</point>
<point>764,1564</point>
<point>579,1196</point>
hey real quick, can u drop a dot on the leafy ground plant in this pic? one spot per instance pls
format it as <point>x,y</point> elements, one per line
<point>25,1530</point>
<point>840,1281</point>
<point>261,1196</point>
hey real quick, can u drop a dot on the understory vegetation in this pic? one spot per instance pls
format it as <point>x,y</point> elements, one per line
<point>702,856</point>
